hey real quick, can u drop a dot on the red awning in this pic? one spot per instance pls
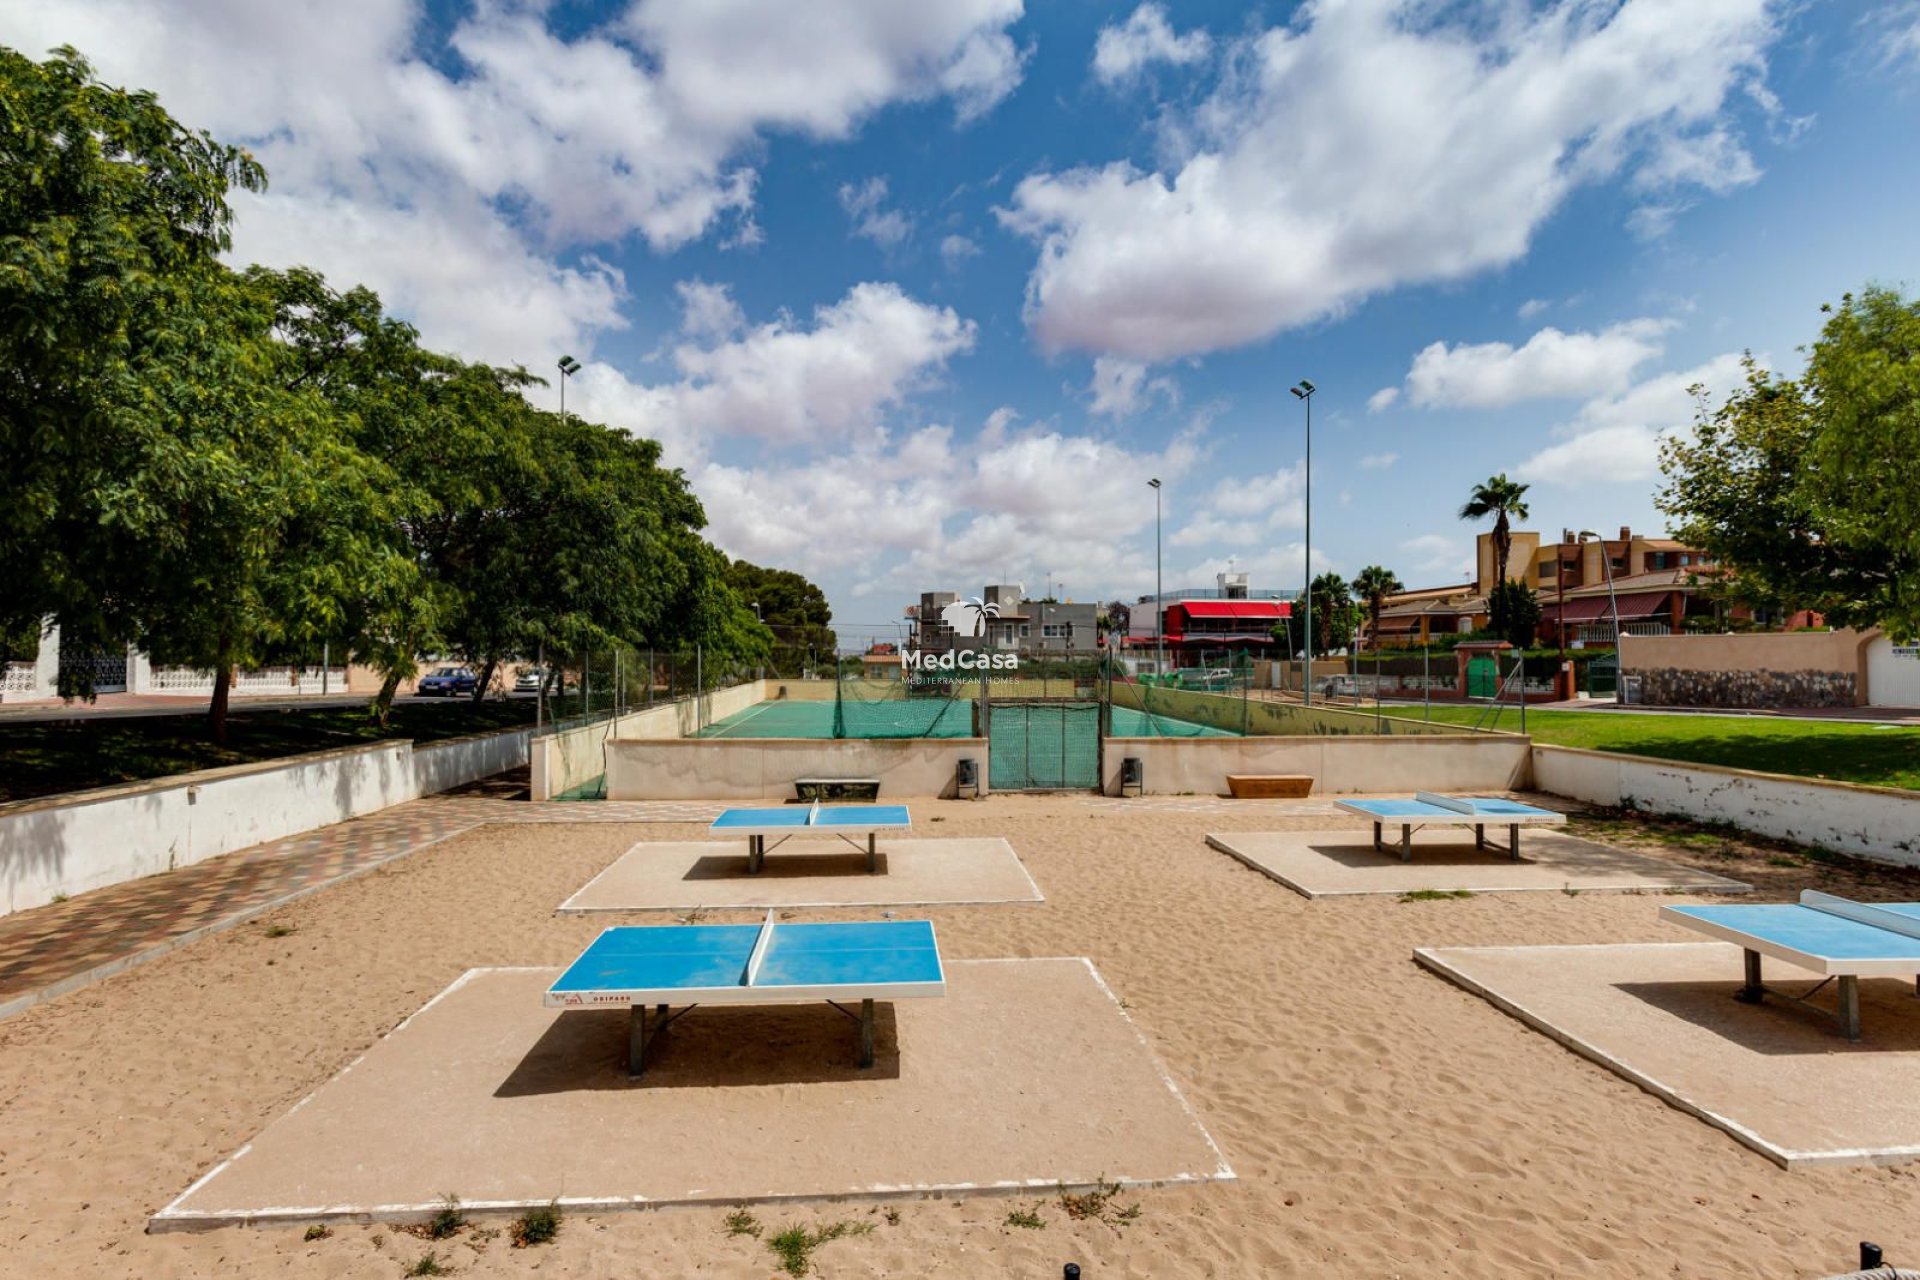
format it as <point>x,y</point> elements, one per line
<point>1638,604</point>
<point>1236,608</point>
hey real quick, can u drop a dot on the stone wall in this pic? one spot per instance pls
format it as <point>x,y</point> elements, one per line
<point>1669,687</point>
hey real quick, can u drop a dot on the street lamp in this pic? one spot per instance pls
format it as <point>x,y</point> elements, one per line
<point>1159,605</point>
<point>1613,605</point>
<point>568,367</point>
<point>1303,392</point>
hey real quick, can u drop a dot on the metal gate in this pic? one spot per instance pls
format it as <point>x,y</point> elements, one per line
<point>1483,678</point>
<point>1043,746</point>
<point>1603,677</point>
<point>93,672</point>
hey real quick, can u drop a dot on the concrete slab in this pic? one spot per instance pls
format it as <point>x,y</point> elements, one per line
<point>1335,864</point>
<point>678,876</point>
<point>1776,1078</point>
<point>1026,1075</point>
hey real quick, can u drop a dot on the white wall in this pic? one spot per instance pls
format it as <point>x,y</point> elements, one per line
<point>765,768</point>
<point>570,758</point>
<point>1337,765</point>
<point>1893,673</point>
<point>1876,822</point>
<point>70,844</point>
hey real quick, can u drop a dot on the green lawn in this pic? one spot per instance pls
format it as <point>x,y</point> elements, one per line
<point>1844,751</point>
<point>40,758</point>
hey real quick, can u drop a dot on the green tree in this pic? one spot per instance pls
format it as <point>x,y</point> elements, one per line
<point>1514,614</point>
<point>793,609</point>
<point>1335,617</point>
<point>1505,501</point>
<point>1806,493</point>
<point>1373,585</point>
<point>106,203</point>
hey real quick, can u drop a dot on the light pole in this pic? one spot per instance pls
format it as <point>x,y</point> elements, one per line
<point>1159,606</point>
<point>1303,391</point>
<point>1613,606</point>
<point>568,367</point>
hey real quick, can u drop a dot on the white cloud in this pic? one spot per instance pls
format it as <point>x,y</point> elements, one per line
<point>956,249</point>
<point>866,205</point>
<point>1551,363</point>
<point>708,311</point>
<point>1532,307</point>
<point>787,382</point>
<point>1433,555</point>
<point>1378,461</point>
<point>1376,145</point>
<point>1616,439</point>
<point>1242,512</point>
<point>1123,51</point>
<point>1382,399</point>
<point>389,171</point>
<point>1121,388</point>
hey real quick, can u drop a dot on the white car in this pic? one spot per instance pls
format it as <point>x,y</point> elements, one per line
<point>529,681</point>
<point>1340,687</point>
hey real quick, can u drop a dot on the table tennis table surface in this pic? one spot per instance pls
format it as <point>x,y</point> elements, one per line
<point>1491,810</point>
<point>708,964</point>
<point>1815,939</point>
<point>797,818</point>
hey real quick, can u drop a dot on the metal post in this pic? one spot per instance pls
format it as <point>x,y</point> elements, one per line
<point>326,666</point>
<point>1307,396</point>
<point>1426,678</point>
<point>540,694</point>
<point>1159,592</point>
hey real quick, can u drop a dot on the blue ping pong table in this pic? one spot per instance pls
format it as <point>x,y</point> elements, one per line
<point>787,821</point>
<point>1833,937</point>
<point>660,966</point>
<point>1429,809</point>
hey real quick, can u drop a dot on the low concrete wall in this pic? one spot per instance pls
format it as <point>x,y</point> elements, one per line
<point>1337,765</point>
<point>1876,822</point>
<point>574,756</point>
<point>718,769</point>
<point>64,845</point>
<point>1259,716</point>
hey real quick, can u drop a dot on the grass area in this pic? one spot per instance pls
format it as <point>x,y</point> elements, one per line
<point>45,757</point>
<point>1840,750</point>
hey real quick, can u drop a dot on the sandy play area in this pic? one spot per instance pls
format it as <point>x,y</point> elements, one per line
<point>1381,1120</point>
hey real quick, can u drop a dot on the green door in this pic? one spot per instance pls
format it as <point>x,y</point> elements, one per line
<point>1044,746</point>
<point>1483,678</point>
<point>1603,677</point>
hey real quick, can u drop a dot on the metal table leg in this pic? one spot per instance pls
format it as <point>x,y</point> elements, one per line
<point>1754,991</point>
<point>866,1033</point>
<point>873,857</point>
<point>756,854</point>
<point>1850,1006</point>
<point>1513,841</point>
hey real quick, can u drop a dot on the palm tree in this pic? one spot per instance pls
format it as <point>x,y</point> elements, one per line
<point>1504,500</point>
<point>1374,584</point>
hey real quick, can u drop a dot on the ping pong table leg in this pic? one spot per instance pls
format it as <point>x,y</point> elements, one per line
<point>866,1033</point>
<point>1378,847</point>
<point>873,857</point>
<point>1513,841</point>
<point>756,854</point>
<point>1754,991</point>
<point>1850,1006</point>
<point>1406,842</point>
<point>637,1043</point>
<point>1479,836</point>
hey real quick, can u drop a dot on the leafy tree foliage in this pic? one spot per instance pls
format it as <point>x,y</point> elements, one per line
<point>1335,617</point>
<point>1807,492</point>
<point>793,609</point>
<point>1505,501</point>
<point>1373,585</point>
<point>1514,613</point>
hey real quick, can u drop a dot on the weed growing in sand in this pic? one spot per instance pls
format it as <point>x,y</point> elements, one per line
<point>537,1225</point>
<point>428,1264</point>
<point>58,898</point>
<point>1783,860</point>
<point>480,1237</point>
<point>794,1246</point>
<point>317,1231</point>
<point>1569,890</point>
<point>694,916</point>
<point>1434,895</point>
<point>1028,1218</point>
<point>742,1223</point>
<point>279,930</point>
<point>893,1216</point>
<point>1099,1204</point>
<point>445,1222</point>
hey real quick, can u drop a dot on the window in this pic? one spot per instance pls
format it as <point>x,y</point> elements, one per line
<point>1657,560</point>
<point>1546,570</point>
<point>1055,630</point>
<point>1025,630</point>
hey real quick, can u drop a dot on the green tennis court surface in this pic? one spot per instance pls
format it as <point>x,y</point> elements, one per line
<point>920,718</point>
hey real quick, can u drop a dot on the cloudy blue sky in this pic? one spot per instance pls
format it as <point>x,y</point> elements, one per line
<point>921,294</point>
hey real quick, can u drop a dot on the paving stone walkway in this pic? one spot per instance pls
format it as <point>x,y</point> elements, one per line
<point>54,949</point>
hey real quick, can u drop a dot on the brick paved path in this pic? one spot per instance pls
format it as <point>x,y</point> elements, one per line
<point>54,949</point>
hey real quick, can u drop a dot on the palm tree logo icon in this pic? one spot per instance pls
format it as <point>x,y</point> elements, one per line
<point>969,617</point>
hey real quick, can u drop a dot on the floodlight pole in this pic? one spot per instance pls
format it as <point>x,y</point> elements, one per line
<point>1159,603</point>
<point>1303,390</point>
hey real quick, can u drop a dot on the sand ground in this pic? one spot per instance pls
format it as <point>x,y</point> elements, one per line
<point>1381,1121</point>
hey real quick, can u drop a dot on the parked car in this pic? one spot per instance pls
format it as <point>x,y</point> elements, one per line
<point>1339,687</point>
<point>446,682</point>
<point>529,681</point>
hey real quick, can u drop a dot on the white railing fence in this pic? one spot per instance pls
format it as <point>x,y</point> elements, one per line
<point>286,681</point>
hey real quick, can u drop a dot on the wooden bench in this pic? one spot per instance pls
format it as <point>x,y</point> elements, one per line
<point>1269,786</point>
<point>828,789</point>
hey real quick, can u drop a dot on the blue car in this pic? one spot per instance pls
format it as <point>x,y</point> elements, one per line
<point>446,682</point>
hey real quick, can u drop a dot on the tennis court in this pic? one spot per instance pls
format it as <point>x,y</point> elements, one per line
<point>928,718</point>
